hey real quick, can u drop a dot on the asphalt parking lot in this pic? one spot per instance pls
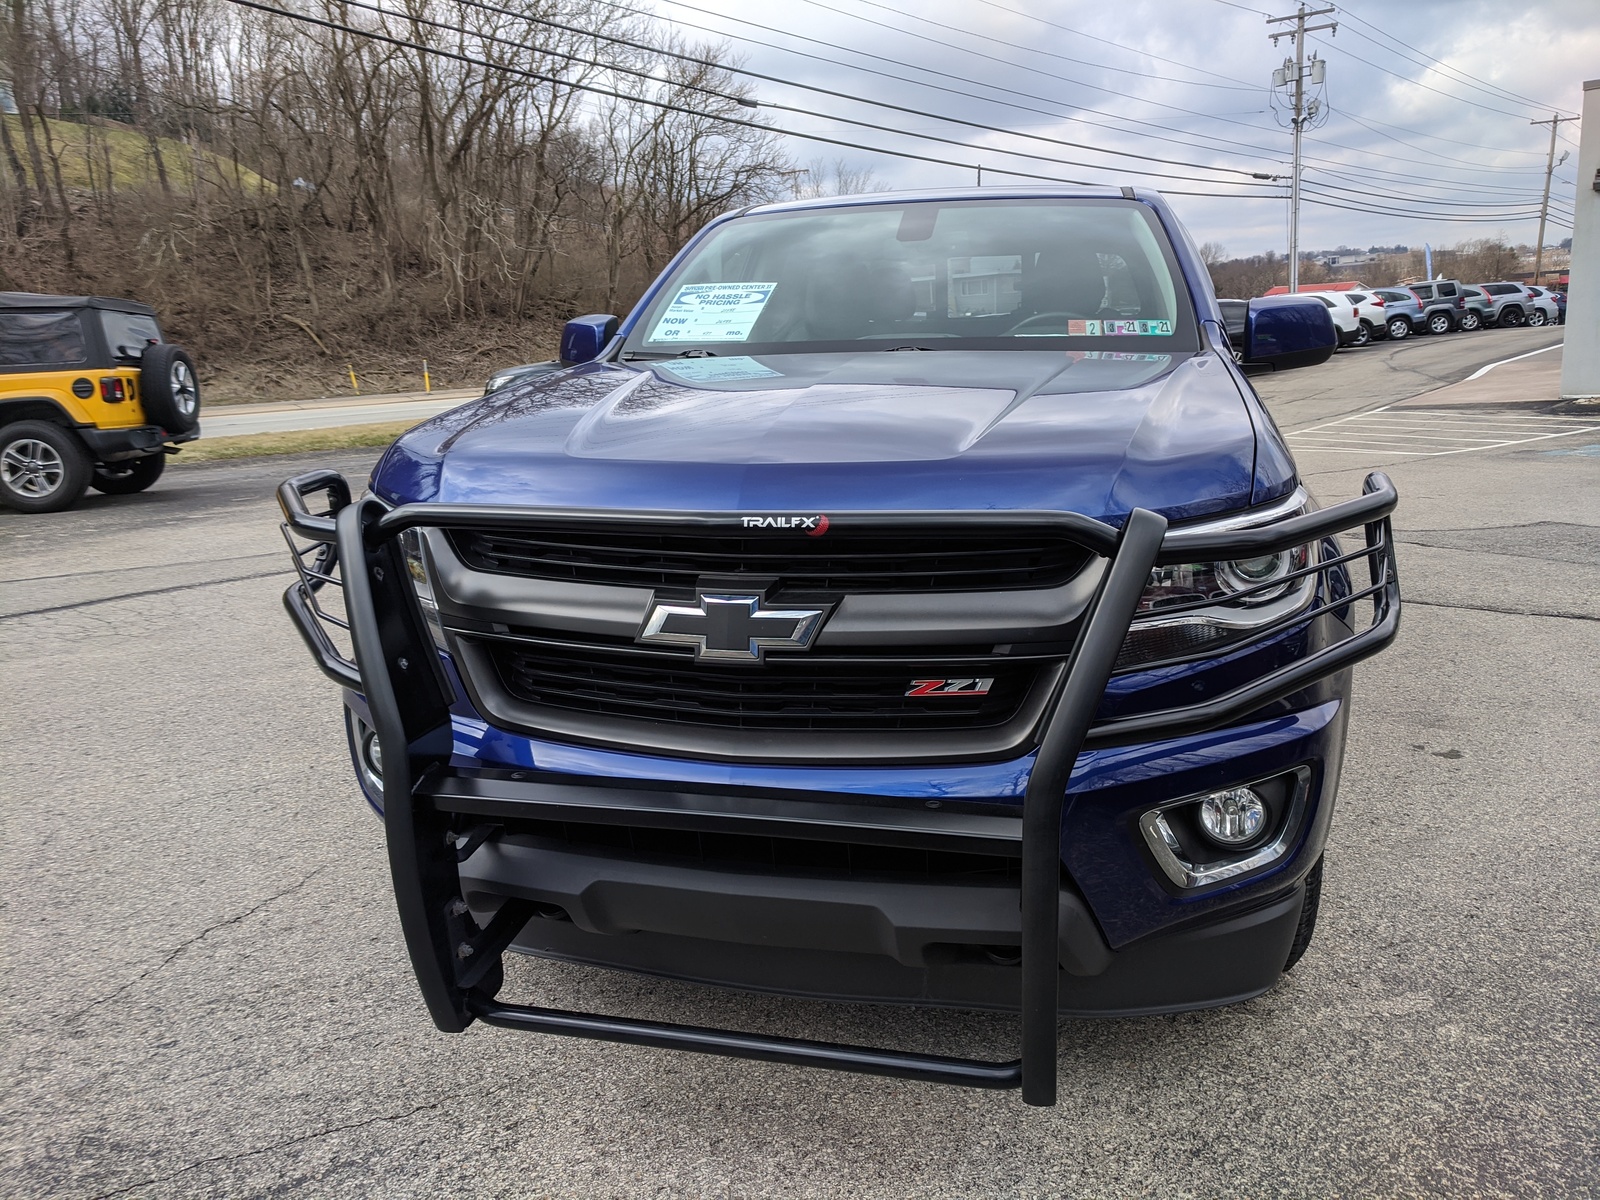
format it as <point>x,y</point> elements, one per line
<point>206,993</point>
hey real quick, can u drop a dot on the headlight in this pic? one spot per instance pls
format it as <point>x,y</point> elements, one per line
<point>1247,582</point>
<point>1198,608</point>
<point>411,546</point>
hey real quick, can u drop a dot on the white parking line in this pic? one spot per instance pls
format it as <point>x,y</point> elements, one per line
<point>1487,367</point>
<point>1431,434</point>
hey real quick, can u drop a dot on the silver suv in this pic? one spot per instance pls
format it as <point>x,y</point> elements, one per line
<point>1509,305</point>
<point>1442,304</point>
<point>1402,313</point>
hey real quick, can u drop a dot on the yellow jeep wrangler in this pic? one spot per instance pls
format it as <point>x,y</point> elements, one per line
<point>91,395</point>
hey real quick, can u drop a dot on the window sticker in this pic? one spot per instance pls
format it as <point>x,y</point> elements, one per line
<point>712,312</point>
<point>1137,328</point>
<point>1115,356</point>
<point>720,370</point>
<point>1083,328</point>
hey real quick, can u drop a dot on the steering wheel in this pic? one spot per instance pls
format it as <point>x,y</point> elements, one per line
<point>1061,317</point>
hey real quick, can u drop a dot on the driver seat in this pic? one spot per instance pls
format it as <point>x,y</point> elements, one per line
<point>1065,281</point>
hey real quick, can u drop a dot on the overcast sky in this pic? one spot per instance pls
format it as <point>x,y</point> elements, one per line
<point>1187,80</point>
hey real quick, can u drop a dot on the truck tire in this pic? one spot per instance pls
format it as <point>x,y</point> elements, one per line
<point>169,388</point>
<point>1308,917</point>
<point>129,476</point>
<point>43,467</point>
<point>1399,328</point>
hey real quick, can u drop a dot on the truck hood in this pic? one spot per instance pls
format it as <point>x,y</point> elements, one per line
<point>1094,433</point>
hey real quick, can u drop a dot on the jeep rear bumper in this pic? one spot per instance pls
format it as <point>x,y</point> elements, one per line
<point>114,445</point>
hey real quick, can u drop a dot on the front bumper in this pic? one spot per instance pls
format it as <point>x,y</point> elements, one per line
<point>438,813</point>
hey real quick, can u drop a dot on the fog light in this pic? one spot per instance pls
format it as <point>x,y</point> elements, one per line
<point>372,752</point>
<point>1233,817</point>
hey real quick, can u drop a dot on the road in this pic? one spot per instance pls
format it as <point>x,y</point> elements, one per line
<point>232,420</point>
<point>206,993</point>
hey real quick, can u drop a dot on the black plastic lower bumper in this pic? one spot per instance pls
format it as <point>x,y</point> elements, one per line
<point>1219,963</point>
<point>433,824</point>
<point>113,445</point>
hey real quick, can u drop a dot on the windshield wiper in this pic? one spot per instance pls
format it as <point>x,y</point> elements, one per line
<point>894,349</point>
<point>648,356</point>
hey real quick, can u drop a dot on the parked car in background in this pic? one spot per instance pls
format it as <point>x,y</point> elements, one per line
<point>1442,304</point>
<point>1476,313</point>
<point>91,395</point>
<point>1345,319</point>
<point>1542,307</point>
<point>1402,312</point>
<point>1559,299</point>
<point>1509,303</point>
<point>1369,308</point>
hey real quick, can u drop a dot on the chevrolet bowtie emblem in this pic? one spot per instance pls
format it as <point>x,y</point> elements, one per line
<point>731,627</point>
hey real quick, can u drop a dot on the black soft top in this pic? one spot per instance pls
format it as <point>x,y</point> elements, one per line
<point>37,300</point>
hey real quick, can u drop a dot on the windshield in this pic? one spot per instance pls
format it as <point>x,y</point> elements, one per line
<point>961,275</point>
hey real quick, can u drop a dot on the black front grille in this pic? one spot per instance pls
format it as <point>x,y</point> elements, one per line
<point>908,560</point>
<point>744,851</point>
<point>798,694</point>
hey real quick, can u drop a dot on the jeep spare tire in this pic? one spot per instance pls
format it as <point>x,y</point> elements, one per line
<point>170,389</point>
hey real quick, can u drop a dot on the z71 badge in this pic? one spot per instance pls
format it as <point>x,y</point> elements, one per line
<point>950,687</point>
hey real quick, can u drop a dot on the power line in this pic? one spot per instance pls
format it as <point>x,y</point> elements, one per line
<point>1418,83</point>
<point>667,105</point>
<point>1015,66</point>
<point>1243,85</point>
<point>1237,86</point>
<point>1477,204</point>
<point>920,80</point>
<point>1487,89</point>
<point>1423,149</point>
<point>1417,215</point>
<point>1230,143</point>
<point>779,107</point>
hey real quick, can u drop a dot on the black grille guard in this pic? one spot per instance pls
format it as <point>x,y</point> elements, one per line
<point>429,830</point>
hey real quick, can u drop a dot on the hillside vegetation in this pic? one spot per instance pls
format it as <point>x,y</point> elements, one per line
<point>102,155</point>
<point>294,199</point>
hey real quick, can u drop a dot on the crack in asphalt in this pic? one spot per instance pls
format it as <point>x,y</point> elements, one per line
<point>287,1142</point>
<point>1493,553</point>
<point>181,587</point>
<point>142,567</point>
<point>73,1018</point>
<point>1509,612</point>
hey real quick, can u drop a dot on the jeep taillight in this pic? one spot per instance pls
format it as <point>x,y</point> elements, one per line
<point>113,390</point>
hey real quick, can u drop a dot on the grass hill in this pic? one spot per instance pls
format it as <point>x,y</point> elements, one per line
<point>104,151</point>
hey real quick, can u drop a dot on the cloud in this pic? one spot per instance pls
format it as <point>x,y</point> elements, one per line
<point>1186,80</point>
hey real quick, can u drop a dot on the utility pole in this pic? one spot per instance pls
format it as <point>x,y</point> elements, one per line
<point>1295,72</point>
<point>1550,166</point>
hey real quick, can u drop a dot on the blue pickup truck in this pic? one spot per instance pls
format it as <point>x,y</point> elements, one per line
<point>910,601</point>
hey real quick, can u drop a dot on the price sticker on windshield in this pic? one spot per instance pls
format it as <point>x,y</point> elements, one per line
<point>712,312</point>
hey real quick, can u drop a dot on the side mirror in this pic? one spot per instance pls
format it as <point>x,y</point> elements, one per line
<point>582,338</point>
<point>1281,332</point>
